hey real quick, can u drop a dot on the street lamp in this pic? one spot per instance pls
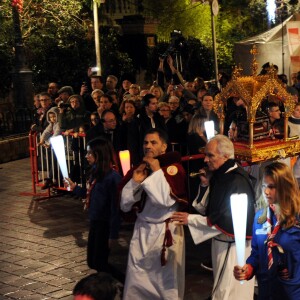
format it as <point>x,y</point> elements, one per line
<point>214,10</point>
<point>96,4</point>
<point>21,76</point>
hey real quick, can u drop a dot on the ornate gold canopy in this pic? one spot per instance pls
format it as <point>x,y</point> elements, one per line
<point>253,90</point>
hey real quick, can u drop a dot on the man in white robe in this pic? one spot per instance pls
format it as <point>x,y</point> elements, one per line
<point>156,262</point>
<point>226,179</point>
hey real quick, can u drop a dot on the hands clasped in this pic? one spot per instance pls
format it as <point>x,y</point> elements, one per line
<point>150,164</point>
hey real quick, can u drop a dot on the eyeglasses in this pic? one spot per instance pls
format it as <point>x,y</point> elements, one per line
<point>45,100</point>
<point>164,110</point>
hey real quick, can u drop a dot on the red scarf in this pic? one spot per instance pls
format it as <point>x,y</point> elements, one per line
<point>271,235</point>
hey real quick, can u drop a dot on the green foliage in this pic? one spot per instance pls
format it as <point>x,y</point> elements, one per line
<point>59,43</point>
<point>113,61</point>
<point>199,61</point>
<point>59,38</point>
<point>192,19</point>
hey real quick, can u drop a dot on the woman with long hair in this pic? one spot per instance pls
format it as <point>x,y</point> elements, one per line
<point>275,254</point>
<point>196,137</point>
<point>101,201</point>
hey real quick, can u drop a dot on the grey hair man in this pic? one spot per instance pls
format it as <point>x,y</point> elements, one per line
<point>222,178</point>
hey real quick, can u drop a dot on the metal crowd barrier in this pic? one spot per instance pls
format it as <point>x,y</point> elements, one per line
<point>45,166</point>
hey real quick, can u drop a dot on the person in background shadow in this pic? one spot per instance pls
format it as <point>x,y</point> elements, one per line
<point>98,286</point>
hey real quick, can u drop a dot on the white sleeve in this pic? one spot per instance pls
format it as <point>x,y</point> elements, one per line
<point>131,193</point>
<point>199,229</point>
<point>158,189</point>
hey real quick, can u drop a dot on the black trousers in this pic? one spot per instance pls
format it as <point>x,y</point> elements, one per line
<point>97,248</point>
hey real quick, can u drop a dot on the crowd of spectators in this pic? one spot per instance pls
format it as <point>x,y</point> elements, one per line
<point>122,112</point>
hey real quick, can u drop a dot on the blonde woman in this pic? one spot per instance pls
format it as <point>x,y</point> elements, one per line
<point>196,137</point>
<point>157,91</point>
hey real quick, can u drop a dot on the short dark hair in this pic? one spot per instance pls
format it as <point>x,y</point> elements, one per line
<point>163,136</point>
<point>99,77</point>
<point>45,94</point>
<point>99,286</point>
<point>146,99</point>
<point>112,93</point>
<point>106,111</point>
<point>272,105</point>
<point>108,97</point>
<point>208,95</point>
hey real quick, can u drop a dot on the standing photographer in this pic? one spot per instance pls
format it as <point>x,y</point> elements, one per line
<point>97,82</point>
<point>75,115</point>
<point>63,95</point>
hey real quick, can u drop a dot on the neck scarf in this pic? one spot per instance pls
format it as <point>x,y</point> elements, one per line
<point>271,235</point>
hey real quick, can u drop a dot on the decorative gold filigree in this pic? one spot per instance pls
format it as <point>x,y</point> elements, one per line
<point>253,90</point>
<point>254,65</point>
<point>237,71</point>
<point>268,152</point>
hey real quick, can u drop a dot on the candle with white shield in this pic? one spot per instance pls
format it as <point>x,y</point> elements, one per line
<point>239,207</point>
<point>209,129</point>
<point>58,145</point>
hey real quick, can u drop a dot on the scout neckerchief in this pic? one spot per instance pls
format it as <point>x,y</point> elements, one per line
<point>271,234</point>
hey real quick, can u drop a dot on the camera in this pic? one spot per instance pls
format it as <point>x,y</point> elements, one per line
<point>61,104</point>
<point>176,44</point>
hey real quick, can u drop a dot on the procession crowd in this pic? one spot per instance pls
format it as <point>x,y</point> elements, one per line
<point>159,125</point>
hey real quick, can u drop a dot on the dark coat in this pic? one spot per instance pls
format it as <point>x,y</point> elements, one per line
<point>129,133</point>
<point>222,186</point>
<point>270,285</point>
<point>104,201</point>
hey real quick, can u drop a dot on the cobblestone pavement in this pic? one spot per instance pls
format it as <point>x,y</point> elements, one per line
<point>43,243</point>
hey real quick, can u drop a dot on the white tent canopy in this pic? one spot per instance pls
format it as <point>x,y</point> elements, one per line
<point>272,45</point>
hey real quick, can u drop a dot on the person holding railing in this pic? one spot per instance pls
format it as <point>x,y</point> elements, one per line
<point>71,118</point>
<point>53,129</point>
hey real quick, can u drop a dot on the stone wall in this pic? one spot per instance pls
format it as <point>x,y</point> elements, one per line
<point>13,148</point>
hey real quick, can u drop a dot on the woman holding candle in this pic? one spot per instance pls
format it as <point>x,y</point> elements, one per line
<point>101,201</point>
<point>275,254</point>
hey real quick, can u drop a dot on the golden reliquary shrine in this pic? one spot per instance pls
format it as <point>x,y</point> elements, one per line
<point>253,142</point>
